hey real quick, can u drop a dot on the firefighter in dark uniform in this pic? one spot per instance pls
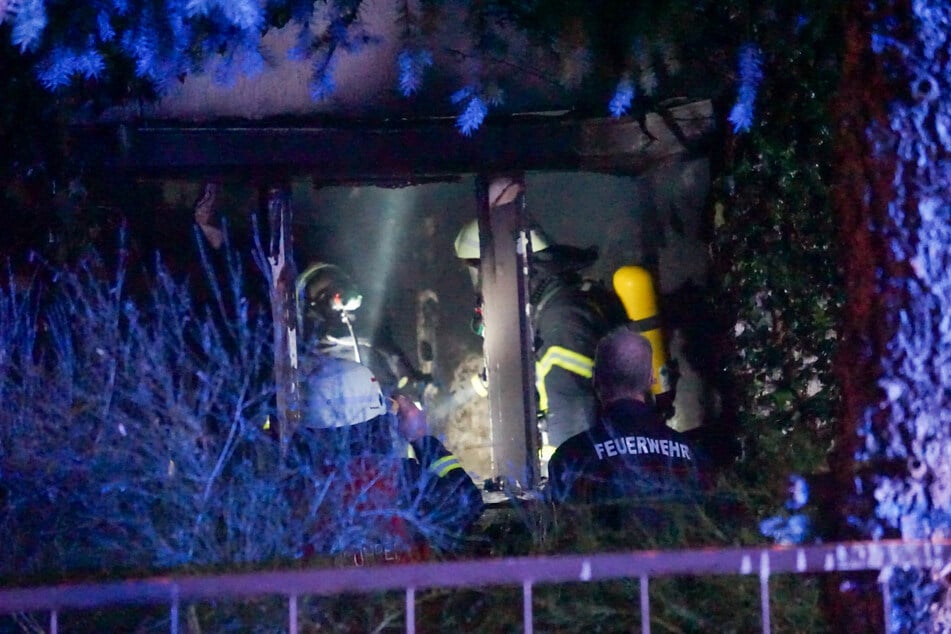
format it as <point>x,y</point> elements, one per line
<point>569,315</point>
<point>630,452</point>
<point>382,504</point>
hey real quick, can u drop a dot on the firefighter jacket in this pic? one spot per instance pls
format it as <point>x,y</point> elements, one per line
<point>389,364</point>
<point>444,498</point>
<point>629,453</point>
<point>386,507</point>
<point>570,317</point>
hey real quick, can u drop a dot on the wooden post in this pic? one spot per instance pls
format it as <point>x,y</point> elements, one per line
<point>283,312</point>
<point>508,345</point>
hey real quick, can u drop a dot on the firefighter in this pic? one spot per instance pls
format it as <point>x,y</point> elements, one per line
<point>384,506</point>
<point>569,315</point>
<point>629,452</point>
<point>327,301</point>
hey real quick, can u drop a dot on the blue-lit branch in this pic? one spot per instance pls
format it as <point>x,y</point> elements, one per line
<point>473,109</point>
<point>750,76</point>
<point>168,39</point>
<point>623,97</point>
<point>172,38</point>
<point>411,66</point>
<point>162,41</point>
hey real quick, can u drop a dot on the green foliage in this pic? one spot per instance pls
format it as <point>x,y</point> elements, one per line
<point>779,290</point>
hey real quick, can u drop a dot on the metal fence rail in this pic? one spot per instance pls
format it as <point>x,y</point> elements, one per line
<point>519,571</point>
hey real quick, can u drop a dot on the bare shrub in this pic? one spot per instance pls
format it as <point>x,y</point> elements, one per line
<point>132,440</point>
<point>121,414</point>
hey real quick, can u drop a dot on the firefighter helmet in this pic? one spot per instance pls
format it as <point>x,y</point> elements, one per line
<point>324,292</point>
<point>467,241</point>
<point>340,393</point>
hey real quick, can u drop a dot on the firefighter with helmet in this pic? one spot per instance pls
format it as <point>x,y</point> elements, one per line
<point>327,301</point>
<point>570,313</point>
<point>386,507</point>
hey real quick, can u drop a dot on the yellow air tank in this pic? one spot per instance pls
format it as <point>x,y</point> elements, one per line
<point>634,286</point>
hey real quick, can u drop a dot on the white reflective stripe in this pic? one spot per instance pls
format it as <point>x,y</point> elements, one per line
<point>444,465</point>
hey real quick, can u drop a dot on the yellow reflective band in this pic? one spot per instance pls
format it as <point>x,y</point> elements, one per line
<point>444,465</point>
<point>479,386</point>
<point>546,452</point>
<point>563,358</point>
<point>566,359</point>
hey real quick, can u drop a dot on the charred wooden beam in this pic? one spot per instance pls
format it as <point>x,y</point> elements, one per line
<point>508,345</point>
<point>402,152</point>
<point>283,307</point>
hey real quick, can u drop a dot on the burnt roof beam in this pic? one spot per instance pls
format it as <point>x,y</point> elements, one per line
<point>395,151</point>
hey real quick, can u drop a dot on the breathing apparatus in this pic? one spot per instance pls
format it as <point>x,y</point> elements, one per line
<point>633,284</point>
<point>326,296</point>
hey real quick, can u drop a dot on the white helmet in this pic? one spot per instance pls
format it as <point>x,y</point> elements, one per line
<point>467,241</point>
<point>340,393</point>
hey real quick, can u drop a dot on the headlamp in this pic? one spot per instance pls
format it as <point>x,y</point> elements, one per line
<point>348,302</point>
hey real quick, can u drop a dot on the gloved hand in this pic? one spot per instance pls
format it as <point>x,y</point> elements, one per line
<point>411,420</point>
